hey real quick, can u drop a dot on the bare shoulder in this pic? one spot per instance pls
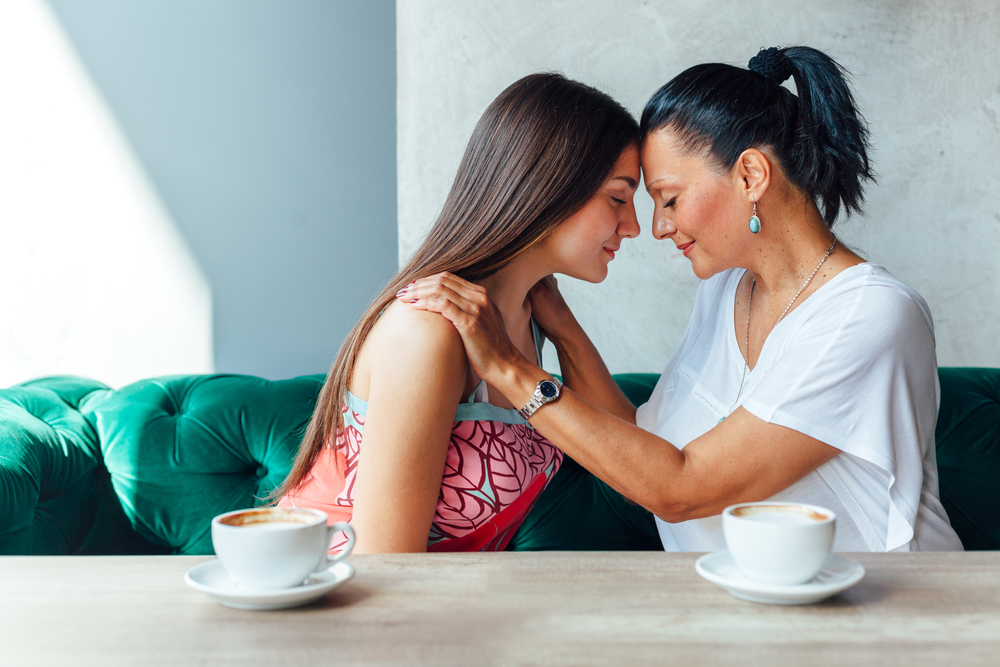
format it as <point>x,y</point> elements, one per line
<point>406,343</point>
<point>408,329</point>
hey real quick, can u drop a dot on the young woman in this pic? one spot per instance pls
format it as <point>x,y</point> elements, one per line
<point>806,374</point>
<point>545,186</point>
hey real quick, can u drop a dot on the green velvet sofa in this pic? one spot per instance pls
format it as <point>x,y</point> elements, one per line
<point>85,469</point>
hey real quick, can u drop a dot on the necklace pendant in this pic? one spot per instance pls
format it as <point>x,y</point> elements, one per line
<point>721,419</point>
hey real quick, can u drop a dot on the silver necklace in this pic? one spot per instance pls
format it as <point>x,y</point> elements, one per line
<point>746,358</point>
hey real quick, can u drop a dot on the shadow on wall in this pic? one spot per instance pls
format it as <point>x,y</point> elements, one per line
<point>96,278</point>
<point>268,130</point>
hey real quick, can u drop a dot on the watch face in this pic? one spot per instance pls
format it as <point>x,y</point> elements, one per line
<point>548,389</point>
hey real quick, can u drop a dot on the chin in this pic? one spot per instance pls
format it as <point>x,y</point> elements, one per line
<point>704,272</point>
<point>598,276</point>
<point>592,276</point>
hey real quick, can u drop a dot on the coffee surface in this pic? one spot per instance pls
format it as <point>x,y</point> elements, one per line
<point>271,525</point>
<point>782,518</point>
<point>270,518</point>
<point>784,514</point>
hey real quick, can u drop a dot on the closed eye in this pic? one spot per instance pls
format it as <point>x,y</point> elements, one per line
<point>670,203</point>
<point>617,200</point>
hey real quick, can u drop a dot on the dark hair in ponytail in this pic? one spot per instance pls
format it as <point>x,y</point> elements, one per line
<point>819,137</point>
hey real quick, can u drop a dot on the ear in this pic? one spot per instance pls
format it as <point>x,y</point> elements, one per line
<point>754,172</point>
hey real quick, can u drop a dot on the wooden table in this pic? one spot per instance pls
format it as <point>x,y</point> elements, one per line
<point>500,609</point>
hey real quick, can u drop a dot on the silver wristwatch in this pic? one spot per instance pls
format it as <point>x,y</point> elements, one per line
<point>546,391</point>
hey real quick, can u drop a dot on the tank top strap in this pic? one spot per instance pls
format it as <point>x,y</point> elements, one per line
<point>536,336</point>
<point>478,393</point>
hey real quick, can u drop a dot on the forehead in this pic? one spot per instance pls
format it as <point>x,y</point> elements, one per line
<point>627,168</point>
<point>667,159</point>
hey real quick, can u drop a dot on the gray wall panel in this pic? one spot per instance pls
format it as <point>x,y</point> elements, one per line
<point>269,129</point>
<point>925,75</point>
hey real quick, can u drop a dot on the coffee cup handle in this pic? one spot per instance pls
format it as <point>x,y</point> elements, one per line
<point>324,563</point>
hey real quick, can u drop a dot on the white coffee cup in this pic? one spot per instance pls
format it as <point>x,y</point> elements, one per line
<point>272,547</point>
<point>779,543</point>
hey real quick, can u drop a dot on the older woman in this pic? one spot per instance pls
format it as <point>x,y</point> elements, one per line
<point>806,373</point>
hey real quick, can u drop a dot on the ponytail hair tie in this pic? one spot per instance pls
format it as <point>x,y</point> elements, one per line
<point>772,64</point>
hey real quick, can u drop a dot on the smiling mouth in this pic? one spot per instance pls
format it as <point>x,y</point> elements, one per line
<point>684,247</point>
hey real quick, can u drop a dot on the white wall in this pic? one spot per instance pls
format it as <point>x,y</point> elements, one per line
<point>189,186</point>
<point>926,78</point>
<point>94,278</point>
<point>269,129</point>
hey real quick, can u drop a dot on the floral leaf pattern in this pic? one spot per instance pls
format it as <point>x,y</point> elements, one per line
<point>493,474</point>
<point>489,466</point>
<point>348,449</point>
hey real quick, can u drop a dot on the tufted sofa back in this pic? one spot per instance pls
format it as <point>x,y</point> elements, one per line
<point>86,469</point>
<point>140,470</point>
<point>968,453</point>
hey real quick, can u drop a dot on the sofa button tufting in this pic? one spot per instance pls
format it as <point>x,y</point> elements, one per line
<point>261,472</point>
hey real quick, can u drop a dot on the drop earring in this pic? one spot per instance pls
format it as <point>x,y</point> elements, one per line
<point>754,220</point>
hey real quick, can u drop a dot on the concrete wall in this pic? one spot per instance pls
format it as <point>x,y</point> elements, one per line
<point>267,130</point>
<point>925,76</point>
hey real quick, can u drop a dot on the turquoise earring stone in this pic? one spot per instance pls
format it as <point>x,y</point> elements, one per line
<point>754,224</point>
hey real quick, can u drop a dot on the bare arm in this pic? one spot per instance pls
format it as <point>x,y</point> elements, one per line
<point>742,459</point>
<point>417,370</point>
<point>583,369</point>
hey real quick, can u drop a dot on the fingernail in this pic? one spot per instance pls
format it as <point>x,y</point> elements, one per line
<point>400,293</point>
<point>413,283</point>
<point>415,300</point>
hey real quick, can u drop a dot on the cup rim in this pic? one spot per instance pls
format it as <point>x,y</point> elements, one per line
<point>318,515</point>
<point>830,515</point>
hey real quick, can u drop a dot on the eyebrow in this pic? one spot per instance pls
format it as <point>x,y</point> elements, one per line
<point>628,179</point>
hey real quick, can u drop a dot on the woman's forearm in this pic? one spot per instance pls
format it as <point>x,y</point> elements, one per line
<point>585,372</point>
<point>633,461</point>
<point>742,459</point>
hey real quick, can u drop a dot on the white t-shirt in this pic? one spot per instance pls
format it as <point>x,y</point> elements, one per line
<point>852,366</point>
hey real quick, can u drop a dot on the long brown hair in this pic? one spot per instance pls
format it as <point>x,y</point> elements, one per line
<point>541,151</point>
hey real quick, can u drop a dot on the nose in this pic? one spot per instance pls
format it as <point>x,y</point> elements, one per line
<point>628,226</point>
<point>663,226</point>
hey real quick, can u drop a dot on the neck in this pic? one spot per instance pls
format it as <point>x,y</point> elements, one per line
<point>793,241</point>
<point>508,289</point>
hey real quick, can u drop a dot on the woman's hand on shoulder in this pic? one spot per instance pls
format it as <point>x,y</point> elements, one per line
<point>477,319</point>
<point>405,332</point>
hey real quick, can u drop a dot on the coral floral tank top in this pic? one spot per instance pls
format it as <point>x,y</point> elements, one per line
<point>497,465</point>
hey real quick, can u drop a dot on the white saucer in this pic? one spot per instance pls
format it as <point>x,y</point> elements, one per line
<point>212,579</point>
<point>838,574</point>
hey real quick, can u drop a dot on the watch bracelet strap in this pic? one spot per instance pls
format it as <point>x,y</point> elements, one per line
<point>535,401</point>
